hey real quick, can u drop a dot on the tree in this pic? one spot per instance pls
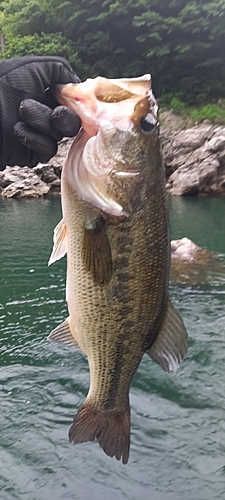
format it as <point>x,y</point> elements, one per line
<point>180,42</point>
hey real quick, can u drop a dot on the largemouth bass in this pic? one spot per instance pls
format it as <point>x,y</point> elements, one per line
<point>115,233</point>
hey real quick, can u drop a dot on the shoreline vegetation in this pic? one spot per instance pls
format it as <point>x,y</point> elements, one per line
<point>193,115</point>
<point>181,42</point>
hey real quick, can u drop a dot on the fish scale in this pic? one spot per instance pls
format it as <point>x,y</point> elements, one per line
<point>115,233</point>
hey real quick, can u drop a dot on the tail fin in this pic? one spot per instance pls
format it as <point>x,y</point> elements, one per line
<point>111,429</point>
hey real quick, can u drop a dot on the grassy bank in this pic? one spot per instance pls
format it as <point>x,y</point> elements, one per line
<point>215,112</point>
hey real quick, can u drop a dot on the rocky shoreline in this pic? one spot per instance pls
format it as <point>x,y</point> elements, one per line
<point>194,161</point>
<point>42,180</point>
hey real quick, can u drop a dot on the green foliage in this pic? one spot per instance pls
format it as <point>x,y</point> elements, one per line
<point>177,106</point>
<point>34,44</point>
<point>181,42</point>
<point>22,17</point>
<point>210,112</point>
<point>45,44</point>
<point>213,112</point>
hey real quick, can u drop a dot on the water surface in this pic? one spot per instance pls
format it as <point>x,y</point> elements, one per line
<point>178,425</point>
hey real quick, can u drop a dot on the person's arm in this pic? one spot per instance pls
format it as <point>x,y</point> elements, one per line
<point>31,120</point>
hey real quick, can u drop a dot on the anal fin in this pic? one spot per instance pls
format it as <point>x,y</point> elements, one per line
<point>171,344</point>
<point>96,251</point>
<point>62,334</point>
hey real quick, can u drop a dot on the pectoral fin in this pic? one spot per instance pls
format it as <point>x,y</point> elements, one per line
<point>62,333</point>
<point>171,344</point>
<point>96,251</point>
<point>60,240</point>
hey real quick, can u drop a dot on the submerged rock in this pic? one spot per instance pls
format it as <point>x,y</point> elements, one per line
<point>193,265</point>
<point>185,249</point>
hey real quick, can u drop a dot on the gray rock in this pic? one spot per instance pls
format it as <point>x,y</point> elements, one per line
<point>185,249</point>
<point>183,182</point>
<point>193,265</point>
<point>3,180</point>
<point>23,182</point>
<point>195,160</point>
<point>20,182</point>
<point>45,172</point>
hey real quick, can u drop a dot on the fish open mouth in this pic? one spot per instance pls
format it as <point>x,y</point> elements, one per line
<point>97,165</point>
<point>119,99</point>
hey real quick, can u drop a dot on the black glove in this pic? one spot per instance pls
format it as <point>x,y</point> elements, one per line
<point>25,94</point>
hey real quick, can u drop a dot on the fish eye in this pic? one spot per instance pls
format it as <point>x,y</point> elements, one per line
<point>148,123</point>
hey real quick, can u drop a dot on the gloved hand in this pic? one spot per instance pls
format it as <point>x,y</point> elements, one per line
<point>30,123</point>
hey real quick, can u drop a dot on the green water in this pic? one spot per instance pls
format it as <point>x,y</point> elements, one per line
<point>178,420</point>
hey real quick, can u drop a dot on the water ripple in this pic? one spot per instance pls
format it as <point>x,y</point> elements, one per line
<point>178,430</point>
